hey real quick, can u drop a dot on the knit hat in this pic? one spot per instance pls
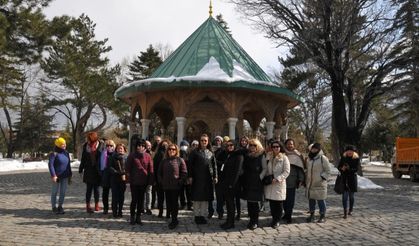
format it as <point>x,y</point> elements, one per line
<point>195,142</point>
<point>59,142</point>
<point>226,138</point>
<point>350,147</point>
<point>317,146</point>
<point>184,143</point>
<point>218,137</point>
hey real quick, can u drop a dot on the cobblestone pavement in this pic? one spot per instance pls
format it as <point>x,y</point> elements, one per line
<point>381,217</point>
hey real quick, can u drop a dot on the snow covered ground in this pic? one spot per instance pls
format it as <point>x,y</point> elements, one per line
<point>7,165</point>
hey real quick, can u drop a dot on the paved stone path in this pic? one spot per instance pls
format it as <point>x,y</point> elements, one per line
<point>381,217</point>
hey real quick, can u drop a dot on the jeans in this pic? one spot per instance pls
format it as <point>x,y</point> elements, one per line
<point>89,188</point>
<point>289,203</point>
<point>348,194</point>
<point>321,203</point>
<point>61,186</point>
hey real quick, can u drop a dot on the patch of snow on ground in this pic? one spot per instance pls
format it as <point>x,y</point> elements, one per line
<point>7,165</point>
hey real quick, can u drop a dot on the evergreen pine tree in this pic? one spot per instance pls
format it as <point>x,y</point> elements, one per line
<point>145,64</point>
<point>223,23</point>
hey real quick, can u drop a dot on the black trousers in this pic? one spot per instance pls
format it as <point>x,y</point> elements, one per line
<point>253,209</point>
<point>137,199</point>
<point>160,198</point>
<point>229,196</point>
<point>118,196</point>
<point>276,210</point>
<point>89,188</point>
<point>105,197</point>
<point>185,195</point>
<point>172,197</point>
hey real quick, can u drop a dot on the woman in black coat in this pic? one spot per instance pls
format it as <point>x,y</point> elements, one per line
<point>254,169</point>
<point>202,175</point>
<point>228,180</point>
<point>91,165</point>
<point>348,167</point>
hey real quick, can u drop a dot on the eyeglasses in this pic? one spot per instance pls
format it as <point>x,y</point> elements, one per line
<point>171,149</point>
<point>109,145</point>
<point>252,145</point>
<point>275,147</point>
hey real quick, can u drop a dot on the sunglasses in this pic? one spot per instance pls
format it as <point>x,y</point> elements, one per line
<point>275,147</point>
<point>252,145</point>
<point>229,145</point>
<point>171,149</point>
<point>109,145</point>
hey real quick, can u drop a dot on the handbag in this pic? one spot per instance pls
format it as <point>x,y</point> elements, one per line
<point>267,180</point>
<point>339,185</point>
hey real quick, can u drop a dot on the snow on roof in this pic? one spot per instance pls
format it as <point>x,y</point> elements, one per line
<point>211,71</point>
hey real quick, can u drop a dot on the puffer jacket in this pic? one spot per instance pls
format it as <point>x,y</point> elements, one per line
<point>318,171</point>
<point>139,169</point>
<point>279,166</point>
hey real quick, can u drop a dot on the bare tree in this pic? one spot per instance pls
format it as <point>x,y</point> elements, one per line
<point>350,41</point>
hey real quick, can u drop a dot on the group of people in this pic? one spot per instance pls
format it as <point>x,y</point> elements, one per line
<point>194,173</point>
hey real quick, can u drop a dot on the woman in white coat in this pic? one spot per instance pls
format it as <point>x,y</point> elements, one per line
<point>318,171</point>
<point>279,167</point>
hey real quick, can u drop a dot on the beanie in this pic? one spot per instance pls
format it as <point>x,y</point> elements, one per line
<point>59,142</point>
<point>184,143</point>
<point>218,137</point>
<point>350,147</point>
<point>317,146</point>
<point>226,138</point>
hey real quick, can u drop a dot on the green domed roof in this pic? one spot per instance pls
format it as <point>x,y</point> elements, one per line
<point>209,40</point>
<point>209,58</point>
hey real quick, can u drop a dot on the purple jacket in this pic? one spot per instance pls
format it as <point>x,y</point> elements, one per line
<point>139,169</point>
<point>172,173</point>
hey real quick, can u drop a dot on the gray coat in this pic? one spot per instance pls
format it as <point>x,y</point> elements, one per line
<point>297,175</point>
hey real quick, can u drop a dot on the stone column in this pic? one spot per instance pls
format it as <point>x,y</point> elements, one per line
<point>270,129</point>
<point>132,130</point>
<point>180,121</point>
<point>145,123</point>
<point>232,127</point>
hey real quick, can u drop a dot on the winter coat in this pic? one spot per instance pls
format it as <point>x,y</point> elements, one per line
<point>59,164</point>
<point>139,169</point>
<point>202,170</point>
<point>296,175</point>
<point>92,163</point>
<point>279,166</point>
<point>318,171</point>
<point>117,167</point>
<point>349,176</point>
<point>106,175</point>
<point>172,173</point>
<point>254,169</point>
<point>230,170</point>
<point>157,159</point>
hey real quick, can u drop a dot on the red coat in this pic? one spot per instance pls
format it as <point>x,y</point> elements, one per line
<point>139,169</point>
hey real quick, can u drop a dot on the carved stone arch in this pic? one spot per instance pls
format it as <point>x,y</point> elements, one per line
<point>253,113</point>
<point>136,110</point>
<point>163,109</point>
<point>211,94</point>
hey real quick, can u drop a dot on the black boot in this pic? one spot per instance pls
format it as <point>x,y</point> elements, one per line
<point>310,219</point>
<point>138,219</point>
<point>132,219</point>
<point>322,219</point>
<point>345,214</point>
<point>173,224</point>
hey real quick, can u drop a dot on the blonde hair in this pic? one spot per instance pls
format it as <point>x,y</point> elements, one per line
<point>259,147</point>
<point>110,142</point>
<point>121,145</point>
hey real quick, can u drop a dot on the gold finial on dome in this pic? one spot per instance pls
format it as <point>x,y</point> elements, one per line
<point>210,8</point>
